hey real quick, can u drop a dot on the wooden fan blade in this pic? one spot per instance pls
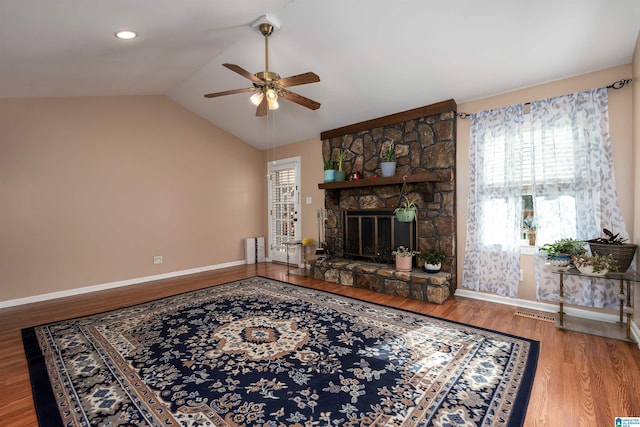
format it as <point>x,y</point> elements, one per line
<point>299,99</point>
<point>262,108</point>
<point>244,73</point>
<point>300,79</point>
<point>229,92</point>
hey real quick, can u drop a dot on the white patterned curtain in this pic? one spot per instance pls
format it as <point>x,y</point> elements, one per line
<point>492,252</point>
<point>574,187</point>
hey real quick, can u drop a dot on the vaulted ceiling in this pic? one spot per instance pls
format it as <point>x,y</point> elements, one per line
<point>374,57</point>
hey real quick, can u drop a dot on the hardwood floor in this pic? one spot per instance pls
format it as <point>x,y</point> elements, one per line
<point>581,380</point>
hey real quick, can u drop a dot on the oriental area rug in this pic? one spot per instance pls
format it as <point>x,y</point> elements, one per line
<point>259,352</point>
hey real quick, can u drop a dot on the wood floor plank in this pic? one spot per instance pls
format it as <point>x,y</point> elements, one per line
<point>581,380</point>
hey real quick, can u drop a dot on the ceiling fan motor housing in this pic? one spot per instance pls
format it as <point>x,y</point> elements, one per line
<point>267,23</point>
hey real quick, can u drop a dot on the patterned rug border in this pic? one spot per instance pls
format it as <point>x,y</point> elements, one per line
<point>43,394</point>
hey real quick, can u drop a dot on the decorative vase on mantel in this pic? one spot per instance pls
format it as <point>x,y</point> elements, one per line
<point>340,175</point>
<point>388,168</point>
<point>329,175</point>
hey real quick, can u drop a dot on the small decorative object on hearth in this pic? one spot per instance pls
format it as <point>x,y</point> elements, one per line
<point>614,245</point>
<point>388,166</point>
<point>404,258</point>
<point>407,210</point>
<point>595,265</point>
<point>432,260</point>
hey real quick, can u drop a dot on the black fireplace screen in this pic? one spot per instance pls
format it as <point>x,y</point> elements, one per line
<point>373,234</point>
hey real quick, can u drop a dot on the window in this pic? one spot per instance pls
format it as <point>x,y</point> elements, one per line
<point>543,163</point>
<point>556,163</point>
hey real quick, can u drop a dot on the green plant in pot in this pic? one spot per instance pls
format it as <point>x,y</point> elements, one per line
<point>614,245</point>
<point>329,170</point>
<point>560,252</point>
<point>432,260</point>
<point>341,175</point>
<point>406,212</point>
<point>388,166</point>
<point>529,228</point>
<point>595,265</point>
<point>404,258</point>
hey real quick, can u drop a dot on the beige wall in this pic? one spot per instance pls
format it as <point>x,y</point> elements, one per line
<point>93,188</point>
<point>620,124</point>
<point>311,174</point>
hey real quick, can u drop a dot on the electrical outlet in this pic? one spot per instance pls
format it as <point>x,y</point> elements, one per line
<point>521,275</point>
<point>157,259</point>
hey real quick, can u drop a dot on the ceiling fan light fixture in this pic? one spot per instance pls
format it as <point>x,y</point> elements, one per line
<point>272,95</point>
<point>256,98</point>
<point>272,99</point>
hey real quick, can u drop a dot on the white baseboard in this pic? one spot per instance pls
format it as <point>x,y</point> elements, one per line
<point>548,307</point>
<point>111,285</point>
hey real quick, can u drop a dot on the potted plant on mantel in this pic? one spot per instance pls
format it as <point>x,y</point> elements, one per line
<point>407,210</point>
<point>388,166</point>
<point>341,175</point>
<point>404,258</point>
<point>432,260</point>
<point>329,171</point>
<point>615,246</point>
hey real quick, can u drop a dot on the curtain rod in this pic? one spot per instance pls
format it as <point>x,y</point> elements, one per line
<point>615,85</point>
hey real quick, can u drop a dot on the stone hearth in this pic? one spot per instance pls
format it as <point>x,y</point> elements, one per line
<point>383,278</point>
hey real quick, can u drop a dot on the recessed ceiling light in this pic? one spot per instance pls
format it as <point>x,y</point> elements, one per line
<point>126,34</point>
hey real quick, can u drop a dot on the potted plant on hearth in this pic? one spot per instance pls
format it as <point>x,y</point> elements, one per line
<point>329,171</point>
<point>404,258</point>
<point>613,244</point>
<point>388,166</point>
<point>341,175</point>
<point>432,260</point>
<point>407,210</point>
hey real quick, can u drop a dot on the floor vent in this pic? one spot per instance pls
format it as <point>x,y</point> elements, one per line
<point>537,316</point>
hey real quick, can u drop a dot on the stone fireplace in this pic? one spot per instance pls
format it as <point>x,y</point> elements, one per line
<point>425,151</point>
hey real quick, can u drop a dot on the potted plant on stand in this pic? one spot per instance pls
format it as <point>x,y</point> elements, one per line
<point>407,210</point>
<point>595,265</point>
<point>340,174</point>
<point>614,245</point>
<point>388,166</point>
<point>404,258</point>
<point>560,252</point>
<point>329,171</point>
<point>432,260</point>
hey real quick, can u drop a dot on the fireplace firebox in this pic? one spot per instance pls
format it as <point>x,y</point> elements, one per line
<point>372,234</point>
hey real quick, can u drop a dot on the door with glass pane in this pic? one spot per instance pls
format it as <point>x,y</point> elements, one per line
<point>284,208</point>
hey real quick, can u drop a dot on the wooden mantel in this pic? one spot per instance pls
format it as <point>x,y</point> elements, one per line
<point>421,177</point>
<point>429,110</point>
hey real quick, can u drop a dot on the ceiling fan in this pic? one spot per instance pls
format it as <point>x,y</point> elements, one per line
<point>269,86</point>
